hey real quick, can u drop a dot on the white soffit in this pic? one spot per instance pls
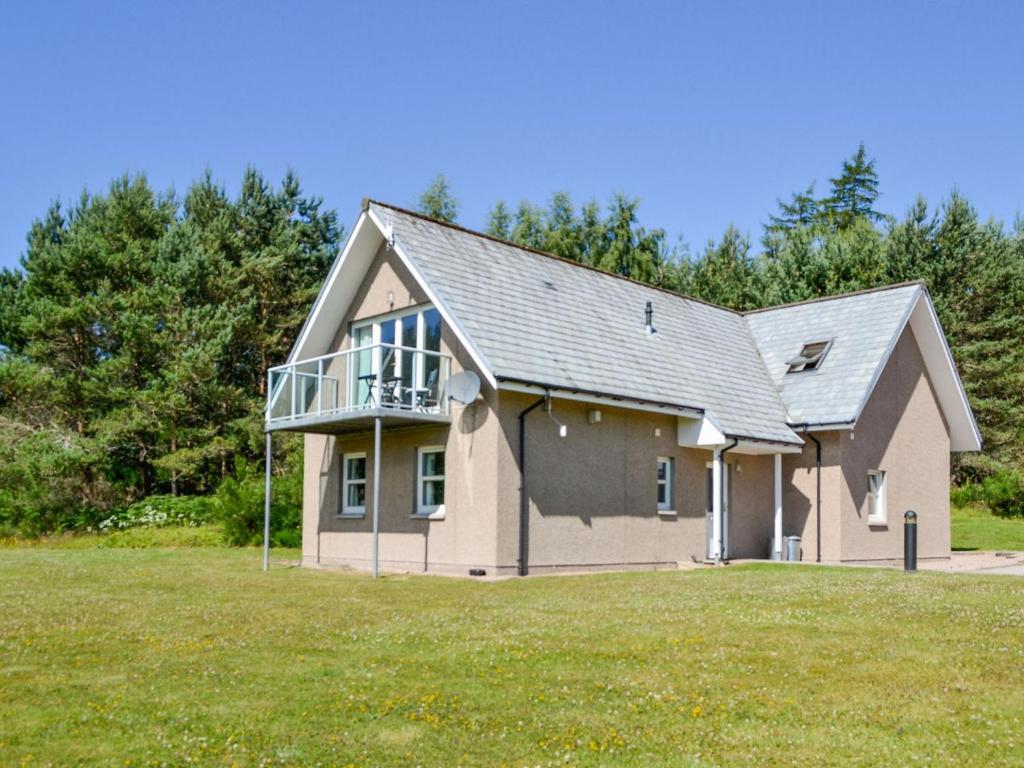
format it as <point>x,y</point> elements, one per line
<point>702,432</point>
<point>338,290</point>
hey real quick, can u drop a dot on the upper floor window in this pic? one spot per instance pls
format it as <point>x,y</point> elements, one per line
<point>810,358</point>
<point>410,361</point>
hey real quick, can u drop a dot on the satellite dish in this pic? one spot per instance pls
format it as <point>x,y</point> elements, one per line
<point>463,387</point>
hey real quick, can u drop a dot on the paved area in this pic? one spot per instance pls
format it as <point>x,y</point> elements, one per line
<point>988,563</point>
<point>1007,563</point>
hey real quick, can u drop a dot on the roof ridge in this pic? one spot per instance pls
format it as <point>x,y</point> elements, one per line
<point>538,252</point>
<point>848,294</point>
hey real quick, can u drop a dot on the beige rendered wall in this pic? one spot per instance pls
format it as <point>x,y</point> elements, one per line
<point>465,538</point>
<point>593,494</point>
<point>799,481</point>
<point>902,431</point>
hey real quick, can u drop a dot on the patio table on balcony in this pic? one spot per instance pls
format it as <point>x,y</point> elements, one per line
<point>389,388</point>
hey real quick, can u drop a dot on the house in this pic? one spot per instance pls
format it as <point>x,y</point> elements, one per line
<point>471,406</point>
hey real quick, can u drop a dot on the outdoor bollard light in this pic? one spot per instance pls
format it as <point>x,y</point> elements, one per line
<point>910,540</point>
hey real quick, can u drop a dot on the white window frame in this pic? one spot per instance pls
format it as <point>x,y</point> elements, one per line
<point>877,504</point>
<point>396,317</point>
<point>433,511</point>
<point>666,507</point>
<point>346,481</point>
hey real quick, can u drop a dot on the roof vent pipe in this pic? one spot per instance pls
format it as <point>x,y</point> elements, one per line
<point>649,318</point>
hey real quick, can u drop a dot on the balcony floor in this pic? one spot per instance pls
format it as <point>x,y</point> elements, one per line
<point>341,422</point>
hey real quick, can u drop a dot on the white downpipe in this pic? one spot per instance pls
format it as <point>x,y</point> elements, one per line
<point>716,506</point>
<point>778,505</point>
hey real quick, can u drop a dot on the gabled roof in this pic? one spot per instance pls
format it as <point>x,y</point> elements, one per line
<point>530,318</point>
<point>863,329</point>
<point>540,319</point>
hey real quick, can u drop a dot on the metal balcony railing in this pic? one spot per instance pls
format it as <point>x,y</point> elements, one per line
<point>377,376</point>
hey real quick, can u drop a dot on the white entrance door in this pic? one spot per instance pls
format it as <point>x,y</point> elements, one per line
<point>709,497</point>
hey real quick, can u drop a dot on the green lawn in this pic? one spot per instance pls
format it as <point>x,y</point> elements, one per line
<point>168,657</point>
<point>977,528</point>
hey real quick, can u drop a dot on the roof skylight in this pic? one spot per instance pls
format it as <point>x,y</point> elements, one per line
<point>810,357</point>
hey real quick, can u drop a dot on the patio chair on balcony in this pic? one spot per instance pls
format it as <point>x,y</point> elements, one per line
<point>422,395</point>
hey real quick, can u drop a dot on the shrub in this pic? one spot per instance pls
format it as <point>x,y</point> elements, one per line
<point>160,512</point>
<point>239,506</point>
<point>965,495</point>
<point>1002,493</point>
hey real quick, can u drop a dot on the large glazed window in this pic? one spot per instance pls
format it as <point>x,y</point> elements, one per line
<point>432,343</point>
<point>362,339</point>
<point>408,372</point>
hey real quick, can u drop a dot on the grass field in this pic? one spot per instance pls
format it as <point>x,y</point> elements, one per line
<point>975,528</point>
<point>193,656</point>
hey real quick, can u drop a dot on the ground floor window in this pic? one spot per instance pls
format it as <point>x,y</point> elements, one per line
<point>664,484</point>
<point>353,484</point>
<point>876,497</point>
<point>430,480</point>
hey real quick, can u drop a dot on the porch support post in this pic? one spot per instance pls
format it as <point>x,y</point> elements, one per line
<point>716,506</point>
<point>266,503</point>
<point>376,497</point>
<point>778,507</point>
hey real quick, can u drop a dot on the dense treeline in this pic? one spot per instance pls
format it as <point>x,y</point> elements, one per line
<point>135,336</point>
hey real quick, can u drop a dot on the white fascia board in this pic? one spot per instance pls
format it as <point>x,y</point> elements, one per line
<point>609,401</point>
<point>442,308</point>
<point>702,432</point>
<point>964,434</point>
<point>829,426</point>
<point>338,290</point>
<point>761,448</point>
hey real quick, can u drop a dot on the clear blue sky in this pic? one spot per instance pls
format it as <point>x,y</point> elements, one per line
<point>707,112</point>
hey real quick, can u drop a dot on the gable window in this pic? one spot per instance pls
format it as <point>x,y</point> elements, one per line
<point>810,358</point>
<point>876,497</point>
<point>410,360</point>
<point>353,485</point>
<point>430,481</point>
<point>664,484</point>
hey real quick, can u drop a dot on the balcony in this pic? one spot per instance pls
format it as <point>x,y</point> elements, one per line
<point>346,391</point>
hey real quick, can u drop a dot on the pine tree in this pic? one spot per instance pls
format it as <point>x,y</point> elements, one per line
<point>499,221</point>
<point>528,228</point>
<point>854,192</point>
<point>438,202</point>
<point>725,273</point>
<point>803,210</point>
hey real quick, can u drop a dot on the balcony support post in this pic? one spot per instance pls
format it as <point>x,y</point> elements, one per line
<point>376,496</point>
<point>266,502</point>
